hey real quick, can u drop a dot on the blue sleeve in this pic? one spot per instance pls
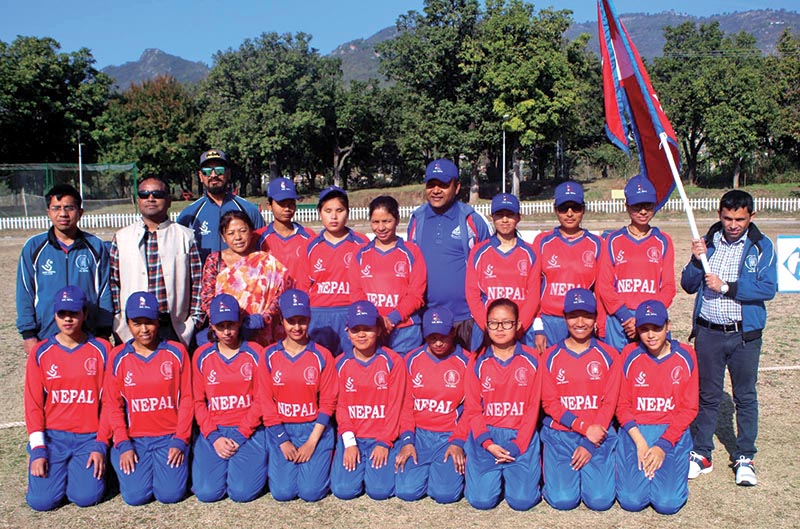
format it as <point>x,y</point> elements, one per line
<point>761,283</point>
<point>105,313</point>
<point>26,293</point>
<point>184,216</point>
<point>692,276</point>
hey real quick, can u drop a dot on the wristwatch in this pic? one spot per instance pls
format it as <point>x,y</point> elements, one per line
<point>724,288</point>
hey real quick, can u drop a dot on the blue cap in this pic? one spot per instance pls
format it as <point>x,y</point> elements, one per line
<point>651,311</point>
<point>70,299</point>
<point>280,189</point>
<point>442,169</point>
<point>579,299</point>
<point>568,192</point>
<point>437,321</point>
<point>330,190</point>
<point>293,303</point>
<point>224,307</point>
<point>639,190</point>
<point>505,201</point>
<point>362,313</point>
<point>141,305</point>
<point>214,155</point>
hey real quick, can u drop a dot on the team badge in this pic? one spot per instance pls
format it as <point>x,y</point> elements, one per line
<point>451,378</point>
<point>90,365</point>
<point>521,376</point>
<point>587,258</point>
<point>401,269</point>
<point>676,374</point>
<point>751,262</point>
<point>310,375</point>
<point>166,370</point>
<point>654,254</point>
<point>348,258</point>
<point>246,371</point>
<point>380,379</point>
<point>522,267</point>
<point>82,262</point>
<point>593,369</point>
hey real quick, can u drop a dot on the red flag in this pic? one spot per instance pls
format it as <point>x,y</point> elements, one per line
<point>632,105</point>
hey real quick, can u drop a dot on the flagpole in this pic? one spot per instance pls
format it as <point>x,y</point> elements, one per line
<point>686,205</point>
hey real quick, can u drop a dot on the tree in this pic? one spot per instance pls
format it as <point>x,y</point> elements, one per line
<point>155,125</point>
<point>783,71</point>
<point>46,97</point>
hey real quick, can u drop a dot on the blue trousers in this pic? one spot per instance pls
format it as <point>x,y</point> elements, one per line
<point>378,483</point>
<point>564,488</point>
<point>404,339</point>
<point>555,329</point>
<point>67,475</point>
<point>431,474</point>
<point>487,482</point>
<point>327,328</point>
<point>242,477</point>
<point>668,491</point>
<point>309,481</point>
<point>615,335</point>
<point>715,351</point>
<point>152,476</point>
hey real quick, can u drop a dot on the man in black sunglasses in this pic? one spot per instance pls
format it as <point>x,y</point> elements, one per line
<point>158,256</point>
<point>204,213</point>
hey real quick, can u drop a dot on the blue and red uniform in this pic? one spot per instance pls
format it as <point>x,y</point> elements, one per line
<point>502,407</point>
<point>149,406</point>
<point>368,406</point>
<point>288,250</point>
<point>324,275</point>
<point>63,390</point>
<point>394,281</point>
<point>563,264</point>
<point>298,393</point>
<point>493,274</point>
<point>226,405</point>
<point>579,390</point>
<point>659,396</point>
<point>430,421</point>
<point>631,271</point>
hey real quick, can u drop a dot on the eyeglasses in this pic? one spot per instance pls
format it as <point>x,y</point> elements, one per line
<point>158,194</point>
<point>505,324</point>
<point>66,209</point>
<point>576,208</point>
<point>220,170</point>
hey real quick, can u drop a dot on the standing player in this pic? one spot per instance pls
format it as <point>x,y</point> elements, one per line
<point>431,460</point>
<point>63,383</point>
<point>283,237</point>
<point>657,403</point>
<point>391,273</point>
<point>372,383</point>
<point>502,267</point>
<point>230,454</point>
<point>502,406</point>
<point>147,396</point>
<point>637,263</point>
<point>580,385</point>
<point>324,271</point>
<point>566,258</point>
<point>298,398</point>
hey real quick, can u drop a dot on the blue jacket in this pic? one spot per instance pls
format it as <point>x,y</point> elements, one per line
<point>44,268</point>
<point>757,279</point>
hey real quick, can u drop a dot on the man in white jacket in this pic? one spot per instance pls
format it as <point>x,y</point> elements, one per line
<point>159,256</point>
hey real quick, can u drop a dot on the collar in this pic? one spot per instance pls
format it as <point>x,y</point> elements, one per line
<point>79,240</point>
<point>451,213</point>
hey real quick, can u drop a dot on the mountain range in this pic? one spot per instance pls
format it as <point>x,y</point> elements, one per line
<point>360,61</point>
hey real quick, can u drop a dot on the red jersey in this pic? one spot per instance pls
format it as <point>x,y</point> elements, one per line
<point>435,393</point>
<point>393,280</point>
<point>579,390</point>
<point>300,388</point>
<point>632,271</point>
<point>563,264</point>
<point>504,395</point>
<point>371,395</point>
<point>225,389</point>
<point>149,397</point>
<point>63,387</point>
<point>493,274</point>
<point>324,269</point>
<point>659,391</point>
<point>288,250</point>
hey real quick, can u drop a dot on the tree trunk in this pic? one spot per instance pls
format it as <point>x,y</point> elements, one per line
<point>737,171</point>
<point>515,172</point>
<point>474,184</point>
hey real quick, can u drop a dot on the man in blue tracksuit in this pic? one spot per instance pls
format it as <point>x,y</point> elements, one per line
<point>729,317</point>
<point>203,214</point>
<point>446,229</point>
<point>63,255</point>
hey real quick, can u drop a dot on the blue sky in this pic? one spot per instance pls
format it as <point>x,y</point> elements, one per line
<point>118,31</point>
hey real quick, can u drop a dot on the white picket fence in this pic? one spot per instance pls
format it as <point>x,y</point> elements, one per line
<point>310,216</point>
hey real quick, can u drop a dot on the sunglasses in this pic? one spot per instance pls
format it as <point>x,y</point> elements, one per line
<point>158,194</point>
<point>576,208</point>
<point>220,170</point>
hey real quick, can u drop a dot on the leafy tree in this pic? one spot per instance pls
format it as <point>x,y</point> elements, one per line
<point>155,125</point>
<point>783,71</point>
<point>46,97</point>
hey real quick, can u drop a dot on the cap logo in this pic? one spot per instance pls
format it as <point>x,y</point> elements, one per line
<point>577,298</point>
<point>361,312</point>
<point>436,320</point>
<point>649,311</point>
<point>569,190</point>
<point>65,297</point>
<point>211,153</point>
<point>143,303</point>
<point>295,301</point>
<point>283,186</point>
<point>223,307</point>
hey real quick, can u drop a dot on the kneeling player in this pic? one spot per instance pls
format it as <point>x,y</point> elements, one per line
<point>657,403</point>
<point>371,382</point>
<point>431,460</point>
<point>580,385</point>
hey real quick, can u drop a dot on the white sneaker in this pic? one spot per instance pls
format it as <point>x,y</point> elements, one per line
<point>745,472</point>
<point>699,465</point>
